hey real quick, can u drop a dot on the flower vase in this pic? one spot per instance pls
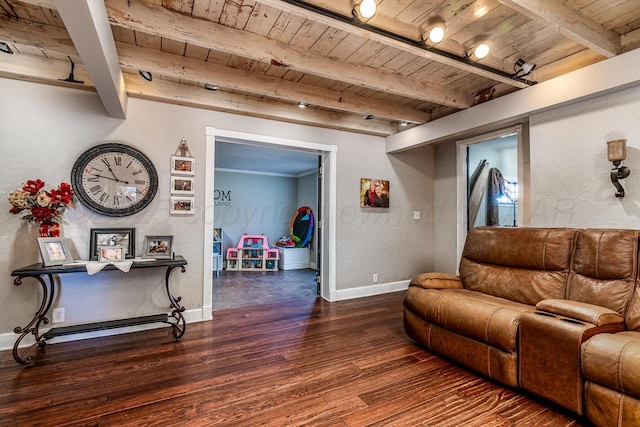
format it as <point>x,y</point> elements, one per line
<point>49,229</point>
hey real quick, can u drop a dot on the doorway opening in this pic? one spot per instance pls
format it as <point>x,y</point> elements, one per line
<point>249,199</point>
<point>492,176</point>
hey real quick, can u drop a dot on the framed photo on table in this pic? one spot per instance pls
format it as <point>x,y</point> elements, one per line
<point>54,251</point>
<point>111,253</point>
<point>112,237</point>
<point>159,247</point>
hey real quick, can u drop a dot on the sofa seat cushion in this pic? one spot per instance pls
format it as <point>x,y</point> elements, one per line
<point>613,361</point>
<point>485,318</point>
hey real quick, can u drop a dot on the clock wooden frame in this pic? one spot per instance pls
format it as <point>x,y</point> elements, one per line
<point>82,193</point>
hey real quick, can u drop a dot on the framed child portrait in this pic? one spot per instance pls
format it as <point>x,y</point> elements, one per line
<point>182,185</point>
<point>108,253</point>
<point>54,251</point>
<point>112,237</point>
<point>183,165</point>
<point>182,205</point>
<point>159,247</point>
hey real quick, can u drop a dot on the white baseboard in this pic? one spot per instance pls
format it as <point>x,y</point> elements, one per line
<point>8,340</point>
<point>368,291</point>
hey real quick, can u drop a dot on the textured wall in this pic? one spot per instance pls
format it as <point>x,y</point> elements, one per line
<point>45,128</point>
<point>569,167</point>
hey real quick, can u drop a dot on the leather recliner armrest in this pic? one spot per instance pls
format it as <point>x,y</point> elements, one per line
<point>437,281</point>
<point>589,313</point>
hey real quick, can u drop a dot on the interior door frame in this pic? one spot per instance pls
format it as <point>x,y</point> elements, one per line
<point>326,223</point>
<point>462,178</point>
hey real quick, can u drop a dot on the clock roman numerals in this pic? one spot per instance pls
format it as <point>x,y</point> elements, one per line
<point>114,179</point>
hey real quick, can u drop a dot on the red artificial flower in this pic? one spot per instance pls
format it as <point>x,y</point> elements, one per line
<point>32,187</point>
<point>62,195</point>
<point>41,213</point>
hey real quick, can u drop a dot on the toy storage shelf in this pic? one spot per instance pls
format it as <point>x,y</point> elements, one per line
<point>252,253</point>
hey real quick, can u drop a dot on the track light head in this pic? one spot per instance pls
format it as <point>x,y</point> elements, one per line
<point>146,75</point>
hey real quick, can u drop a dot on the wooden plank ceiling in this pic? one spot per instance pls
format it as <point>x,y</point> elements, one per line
<point>266,56</point>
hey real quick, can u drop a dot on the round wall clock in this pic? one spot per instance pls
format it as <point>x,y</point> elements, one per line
<point>114,179</point>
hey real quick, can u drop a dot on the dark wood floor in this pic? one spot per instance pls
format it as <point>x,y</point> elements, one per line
<point>306,362</point>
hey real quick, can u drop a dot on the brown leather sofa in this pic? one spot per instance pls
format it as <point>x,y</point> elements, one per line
<point>554,311</point>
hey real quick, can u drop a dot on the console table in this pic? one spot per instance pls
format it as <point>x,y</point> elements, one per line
<point>44,275</point>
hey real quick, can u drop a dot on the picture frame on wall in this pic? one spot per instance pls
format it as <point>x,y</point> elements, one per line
<point>182,185</point>
<point>54,251</point>
<point>374,193</point>
<point>158,247</point>
<point>110,253</point>
<point>112,237</point>
<point>183,165</point>
<point>182,205</point>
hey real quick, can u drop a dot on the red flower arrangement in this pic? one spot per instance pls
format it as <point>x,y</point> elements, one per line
<point>45,207</point>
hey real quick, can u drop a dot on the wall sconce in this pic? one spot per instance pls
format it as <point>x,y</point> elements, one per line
<point>365,9</point>
<point>616,153</point>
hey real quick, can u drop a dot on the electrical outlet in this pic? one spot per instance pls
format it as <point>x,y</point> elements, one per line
<point>375,277</point>
<point>58,315</point>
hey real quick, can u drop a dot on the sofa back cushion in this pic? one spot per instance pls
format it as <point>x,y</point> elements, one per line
<point>524,265</point>
<point>604,267</point>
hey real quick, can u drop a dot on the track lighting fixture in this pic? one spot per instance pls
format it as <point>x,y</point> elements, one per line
<point>5,48</point>
<point>302,104</point>
<point>146,75</point>
<point>480,51</point>
<point>369,117</point>
<point>522,68</point>
<point>364,10</point>
<point>210,86</point>
<point>357,19</point>
<point>434,34</point>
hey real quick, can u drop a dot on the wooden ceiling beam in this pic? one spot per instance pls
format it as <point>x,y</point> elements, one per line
<point>161,22</point>
<point>57,39</point>
<point>570,23</point>
<point>245,81</point>
<point>192,96</point>
<point>53,72</point>
<point>393,26</point>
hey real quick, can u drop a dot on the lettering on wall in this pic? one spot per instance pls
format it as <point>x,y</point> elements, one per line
<point>222,198</point>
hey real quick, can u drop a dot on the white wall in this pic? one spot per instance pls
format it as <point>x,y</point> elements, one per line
<point>45,128</point>
<point>570,173</point>
<point>258,204</point>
